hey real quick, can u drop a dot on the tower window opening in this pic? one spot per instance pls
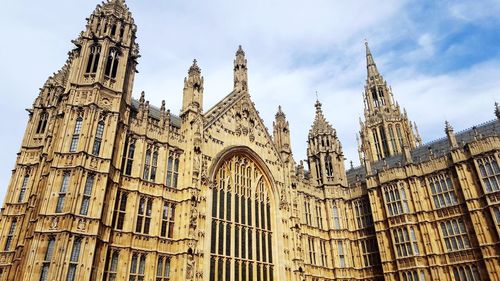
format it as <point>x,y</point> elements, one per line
<point>112,63</point>
<point>122,31</point>
<point>93,60</point>
<point>383,138</point>
<point>42,123</point>
<point>329,166</point>
<point>113,30</point>
<point>375,97</point>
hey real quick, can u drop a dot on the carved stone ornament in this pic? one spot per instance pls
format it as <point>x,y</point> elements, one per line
<point>82,225</point>
<point>54,223</point>
<point>190,267</point>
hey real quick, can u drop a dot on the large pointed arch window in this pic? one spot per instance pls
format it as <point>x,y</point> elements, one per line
<point>241,242</point>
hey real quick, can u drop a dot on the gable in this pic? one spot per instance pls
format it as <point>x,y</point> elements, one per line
<point>236,115</point>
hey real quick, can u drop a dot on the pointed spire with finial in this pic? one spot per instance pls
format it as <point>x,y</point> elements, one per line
<point>371,67</point>
<point>240,70</point>
<point>448,129</point>
<point>320,125</point>
<point>281,132</point>
<point>193,89</point>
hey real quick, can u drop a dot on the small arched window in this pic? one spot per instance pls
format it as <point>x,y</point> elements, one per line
<point>76,134</point>
<point>42,122</point>
<point>112,63</point>
<point>93,61</point>
<point>98,138</point>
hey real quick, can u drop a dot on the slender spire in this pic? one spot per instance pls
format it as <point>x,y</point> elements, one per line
<point>240,70</point>
<point>371,67</point>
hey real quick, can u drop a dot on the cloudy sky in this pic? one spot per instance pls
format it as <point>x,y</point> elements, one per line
<point>442,58</point>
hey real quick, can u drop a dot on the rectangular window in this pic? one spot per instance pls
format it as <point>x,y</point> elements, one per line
<point>395,200</point>
<point>312,251</point>
<point>455,235</point>
<point>73,261</point>
<point>324,260</point>
<point>363,213</point>
<point>96,148</point>
<point>22,192</point>
<point>163,269</point>
<point>490,173</point>
<point>172,170</point>
<point>150,163</point>
<point>44,273</point>
<point>120,210</point>
<point>307,207</point>
<point>405,242</point>
<point>336,218</point>
<point>466,273</point>
<point>137,267</point>
<point>111,266</point>
<point>443,193</point>
<point>144,215</point>
<point>340,248</point>
<point>62,192</point>
<point>10,235</point>
<point>369,252</point>
<point>87,193</point>
<point>76,135</point>
<point>319,216</point>
<point>128,156</point>
<point>167,220</point>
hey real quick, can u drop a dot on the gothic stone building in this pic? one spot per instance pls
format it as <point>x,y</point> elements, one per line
<point>107,187</point>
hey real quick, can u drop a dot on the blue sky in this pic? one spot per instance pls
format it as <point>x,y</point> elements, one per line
<point>442,58</point>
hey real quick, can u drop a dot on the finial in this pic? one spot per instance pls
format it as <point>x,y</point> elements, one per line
<point>497,110</point>
<point>194,68</point>
<point>447,126</point>
<point>240,51</point>
<point>142,99</point>
<point>162,108</point>
<point>318,106</point>
<point>280,113</point>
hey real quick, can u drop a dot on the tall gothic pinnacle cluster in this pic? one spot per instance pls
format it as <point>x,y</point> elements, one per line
<point>386,129</point>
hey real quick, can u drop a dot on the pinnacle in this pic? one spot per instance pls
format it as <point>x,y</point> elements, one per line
<point>497,110</point>
<point>370,63</point>
<point>320,125</point>
<point>447,126</point>
<point>280,113</point>
<point>240,51</point>
<point>194,68</point>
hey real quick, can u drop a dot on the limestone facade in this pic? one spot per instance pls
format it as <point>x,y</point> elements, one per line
<point>108,187</point>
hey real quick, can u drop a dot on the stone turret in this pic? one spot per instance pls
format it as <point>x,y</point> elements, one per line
<point>193,90</point>
<point>324,152</point>
<point>281,134</point>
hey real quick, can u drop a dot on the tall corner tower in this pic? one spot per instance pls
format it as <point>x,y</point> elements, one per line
<point>61,193</point>
<point>386,129</point>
